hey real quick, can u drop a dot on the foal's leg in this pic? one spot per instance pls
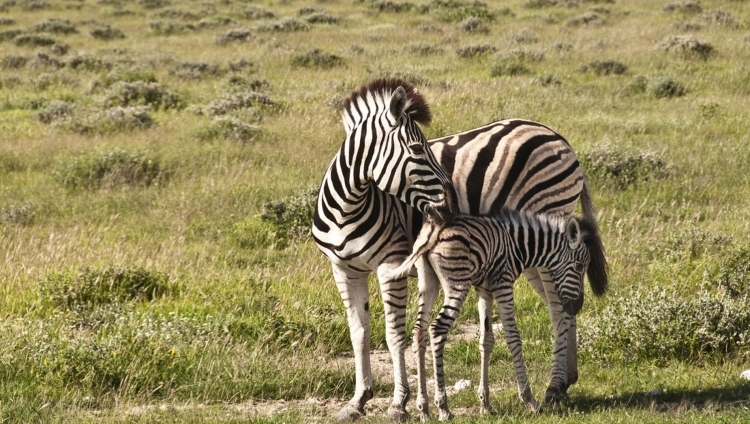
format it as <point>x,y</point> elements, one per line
<point>429,287</point>
<point>486,343</point>
<point>504,298</point>
<point>454,299</point>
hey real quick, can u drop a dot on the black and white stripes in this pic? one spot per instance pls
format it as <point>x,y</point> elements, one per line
<point>490,253</point>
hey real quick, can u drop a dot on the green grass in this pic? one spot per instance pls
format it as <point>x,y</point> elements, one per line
<point>157,159</point>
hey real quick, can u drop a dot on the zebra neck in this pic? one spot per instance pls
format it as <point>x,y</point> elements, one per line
<point>348,187</point>
<point>532,246</point>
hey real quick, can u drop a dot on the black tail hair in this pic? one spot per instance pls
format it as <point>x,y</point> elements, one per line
<point>597,271</point>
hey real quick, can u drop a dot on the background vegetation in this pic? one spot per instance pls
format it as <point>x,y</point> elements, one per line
<point>158,167</point>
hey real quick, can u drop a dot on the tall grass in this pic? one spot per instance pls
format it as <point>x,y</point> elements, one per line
<point>157,159</point>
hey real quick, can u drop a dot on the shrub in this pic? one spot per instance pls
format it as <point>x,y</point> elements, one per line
<point>474,50</point>
<point>457,10</point>
<point>622,167</point>
<point>18,214</point>
<point>141,93</point>
<point>664,87</point>
<point>473,25</point>
<point>657,325</point>
<point>91,287</point>
<point>690,244</point>
<point>153,4</point>
<point>10,34</point>
<point>230,128</point>
<point>13,61</point>
<point>733,277</point>
<point>55,26</point>
<point>422,49</point>
<point>195,70</point>
<point>170,27</point>
<point>57,110</point>
<point>390,6</point>
<point>293,214</point>
<point>240,65</point>
<point>720,17</point>
<point>33,4</point>
<point>525,36</point>
<point>10,162</point>
<point>108,169</point>
<point>240,84</point>
<point>317,58</point>
<point>605,67</point>
<point>509,69</point>
<point>321,18</point>
<point>588,18</point>
<point>7,21</point>
<point>106,32</point>
<point>34,40</point>
<point>257,233</point>
<point>240,35</point>
<point>257,12</point>
<point>238,101</point>
<point>112,120</point>
<point>177,14</point>
<point>88,62</point>
<point>686,46</point>
<point>287,24</point>
<point>689,6</point>
<point>215,21</point>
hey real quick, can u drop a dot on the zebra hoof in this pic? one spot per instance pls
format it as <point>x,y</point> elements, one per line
<point>397,413</point>
<point>349,413</point>
<point>445,415</point>
<point>424,411</point>
<point>555,395</point>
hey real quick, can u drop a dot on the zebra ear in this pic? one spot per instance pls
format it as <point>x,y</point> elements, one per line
<point>398,102</point>
<point>573,232</point>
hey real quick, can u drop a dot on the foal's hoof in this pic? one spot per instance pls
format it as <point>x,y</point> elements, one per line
<point>397,413</point>
<point>555,395</point>
<point>349,413</point>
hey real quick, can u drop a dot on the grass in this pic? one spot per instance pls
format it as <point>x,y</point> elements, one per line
<point>157,160</point>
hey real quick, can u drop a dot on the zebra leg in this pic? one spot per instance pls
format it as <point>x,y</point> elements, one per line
<point>486,343</point>
<point>454,298</point>
<point>504,298</point>
<point>394,294</point>
<point>571,354</point>
<point>353,291</point>
<point>429,287</point>
<point>558,385</point>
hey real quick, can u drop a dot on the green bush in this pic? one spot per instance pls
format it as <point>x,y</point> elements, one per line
<point>293,214</point>
<point>91,287</point>
<point>474,50</point>
<point>287,24</point>
<point>390,6</point>
<point>588,18</point>
<point>56,111</point>
<point>17,214</point>
<point>511,68</point>
<point>141,93</point>
<point>688,6</point>
<point>109,169</point>
<point>196,70</point>
<point>473,25</point>
<point>422,49</point>
<point>229,128</point>
<point>456,10</point>
<point>665,87</point>
<point>259,233</point>
<point>317,58</point>
<point>239,101</point>
<point>88,62</point>
<point>34,40</point>
<point>115,119</point>
<point>605,67</point>
<point>106,32</point>
<point>733,277</point>
<point>622,167</point>
<point>170,27</point>
<point>662,326</point>
<point>236,35</point>
<point>687,46</point>
<point>257,12</point>
<point>55,26</point>
<point>321,18</point>
<point>14,61</point>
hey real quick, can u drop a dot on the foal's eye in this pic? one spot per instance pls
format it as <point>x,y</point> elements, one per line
<point>578,267</point>
<point>416,148</point>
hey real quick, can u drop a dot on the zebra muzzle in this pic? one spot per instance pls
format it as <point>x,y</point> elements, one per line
<point>573,306</point>
<point>444,212</point>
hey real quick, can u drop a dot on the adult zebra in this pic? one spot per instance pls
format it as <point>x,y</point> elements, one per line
<point>363,225</point>
<point>383,177</point>
<point>489,253</point>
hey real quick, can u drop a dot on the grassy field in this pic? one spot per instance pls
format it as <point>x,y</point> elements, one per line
<point>158,166</point>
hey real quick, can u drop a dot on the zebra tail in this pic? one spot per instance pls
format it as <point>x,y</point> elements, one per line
<point>424,243</point>
<point>598,268</point>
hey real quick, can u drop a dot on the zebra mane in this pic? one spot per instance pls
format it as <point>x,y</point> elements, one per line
<point>535,220</point>
<point>379,92</point>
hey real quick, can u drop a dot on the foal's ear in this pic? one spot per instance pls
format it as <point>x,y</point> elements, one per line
<point>398,103</point>
<point>573,232</point>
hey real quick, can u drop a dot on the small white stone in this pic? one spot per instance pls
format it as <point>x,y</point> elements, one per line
<point>653,392</point>
<point>745,374</point>
<point>497,328</point>
<point>462,385</point>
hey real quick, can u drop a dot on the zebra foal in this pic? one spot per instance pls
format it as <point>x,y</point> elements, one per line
<point>490,253</point>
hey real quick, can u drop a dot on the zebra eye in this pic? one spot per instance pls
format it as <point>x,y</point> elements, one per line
<point>578,267</point>
<point>416,148</point>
